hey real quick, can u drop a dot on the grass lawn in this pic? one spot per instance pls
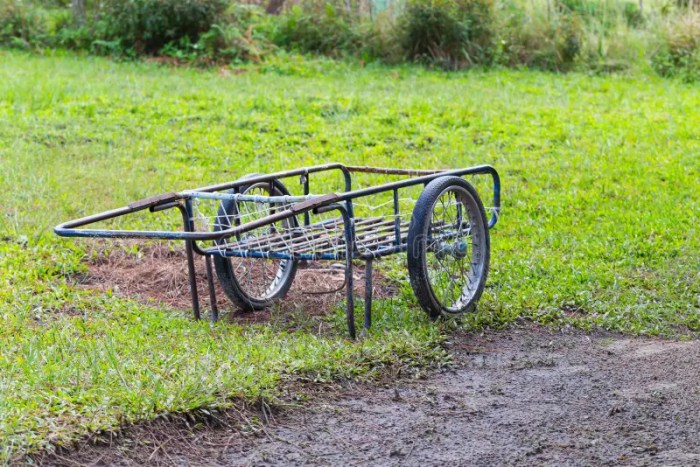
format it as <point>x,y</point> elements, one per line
<point>599,224</point>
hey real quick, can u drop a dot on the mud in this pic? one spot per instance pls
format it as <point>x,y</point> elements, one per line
<point>524,396</point>
<point>519,397</point>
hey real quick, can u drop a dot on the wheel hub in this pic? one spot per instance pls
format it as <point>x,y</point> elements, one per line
<point>457,249</point>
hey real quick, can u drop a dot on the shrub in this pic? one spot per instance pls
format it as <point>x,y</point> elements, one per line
<point>558,35</point>
<point>20,25</point>
<point>542,40</point>
<point>148,25</point>
<point>633,15</point>
<point>241,36</point>
<point>450,33</point>
<point>380,39</point>
<point>324,29</point>
<point>612,52</point>
<point>43,23</point>
<point>679,51</point>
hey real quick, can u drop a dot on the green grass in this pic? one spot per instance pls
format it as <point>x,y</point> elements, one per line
<point>599,225</point>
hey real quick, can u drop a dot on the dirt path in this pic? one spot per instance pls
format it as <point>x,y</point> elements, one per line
<point>523,396</point>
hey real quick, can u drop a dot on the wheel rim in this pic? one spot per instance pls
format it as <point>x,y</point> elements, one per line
<point>260,279</point>
<point>455,249</point>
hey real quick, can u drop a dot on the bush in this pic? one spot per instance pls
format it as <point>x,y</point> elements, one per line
<point>633,15</point>
<point>679,51</point>
<point>542,40</point>
<point>241,36</point>
<point>380,39</point>
<point>20,25</point>
<point>148,25</point>
<point>324,29</point>
<point>40,24</point>
<point>450,33</point>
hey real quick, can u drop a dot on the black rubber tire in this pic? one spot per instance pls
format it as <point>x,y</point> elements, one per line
<point>417,250</point>
<point>224,268</point>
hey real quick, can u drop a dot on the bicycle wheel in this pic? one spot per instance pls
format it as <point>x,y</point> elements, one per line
<point>254,283</point>
<point>448,247</point>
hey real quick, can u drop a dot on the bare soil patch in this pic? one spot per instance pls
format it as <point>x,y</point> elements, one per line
<point>157,275</point>
<point>524,396</point>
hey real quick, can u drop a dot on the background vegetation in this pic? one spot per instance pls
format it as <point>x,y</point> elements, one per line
<point>561,35</point>
<point>599,225</point>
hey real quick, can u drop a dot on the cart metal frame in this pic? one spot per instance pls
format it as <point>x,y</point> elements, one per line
<point>291,206</point>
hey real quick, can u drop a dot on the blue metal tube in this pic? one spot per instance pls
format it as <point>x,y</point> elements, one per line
<point>285,199</point>
<point>71,228</point>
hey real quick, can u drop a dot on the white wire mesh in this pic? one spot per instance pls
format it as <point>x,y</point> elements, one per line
<point>376,226</point>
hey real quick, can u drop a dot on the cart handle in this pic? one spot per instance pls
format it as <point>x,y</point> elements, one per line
<point>167,201</point>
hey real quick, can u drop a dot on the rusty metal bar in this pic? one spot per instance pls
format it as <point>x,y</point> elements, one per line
<point>69,228</point>
<point>391,171</point>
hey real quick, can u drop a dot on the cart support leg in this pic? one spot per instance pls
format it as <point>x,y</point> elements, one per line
<point>189,247</point>
<point>193,280</point>
<point>349,248</point>
<point>368,294</point>
<point>214,314</point>
<point>350,301</point>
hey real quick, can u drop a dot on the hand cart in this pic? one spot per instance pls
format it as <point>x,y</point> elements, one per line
<point>257,233</point>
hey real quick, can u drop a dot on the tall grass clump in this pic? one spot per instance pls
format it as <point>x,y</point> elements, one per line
<point>678,52</point>
<point>537,37</point>
<point>380,38</point>
<point>562,35</point>
<point>449,33</point>
<point>616,38</point>
<point>327,28</point>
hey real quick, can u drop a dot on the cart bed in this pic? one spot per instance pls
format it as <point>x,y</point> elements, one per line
<point>319,240</point>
